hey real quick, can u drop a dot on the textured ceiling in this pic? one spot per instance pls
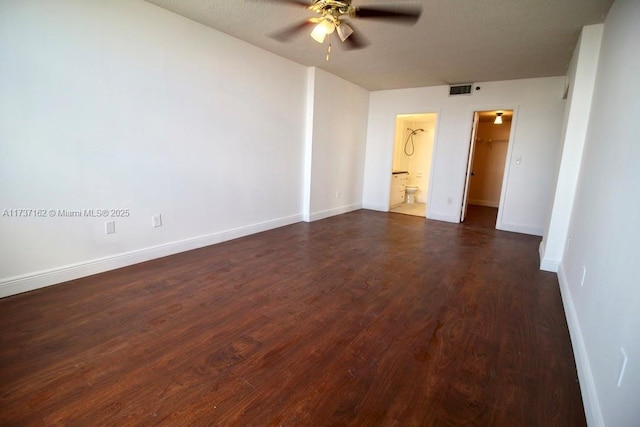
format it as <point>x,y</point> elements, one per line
<point>455,41</point>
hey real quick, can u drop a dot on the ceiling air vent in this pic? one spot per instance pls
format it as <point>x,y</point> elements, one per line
<point>460,90</point>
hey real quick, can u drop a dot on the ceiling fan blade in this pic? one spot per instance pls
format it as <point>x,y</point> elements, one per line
<point>406,14</point>
<point>296,2</point>
<point>355,40</point>
<point>289,32</point>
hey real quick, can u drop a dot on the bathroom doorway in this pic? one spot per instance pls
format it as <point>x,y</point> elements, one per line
<point>414,142</point>
<point>488,149</point>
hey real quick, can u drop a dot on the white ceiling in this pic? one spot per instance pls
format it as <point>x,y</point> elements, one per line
<point>455,41</point>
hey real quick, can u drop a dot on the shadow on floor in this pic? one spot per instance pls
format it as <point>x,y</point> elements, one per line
<point>477,216</point>
<point>481,217</point>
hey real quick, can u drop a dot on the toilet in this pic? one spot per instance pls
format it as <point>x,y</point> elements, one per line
<point>411,191</point>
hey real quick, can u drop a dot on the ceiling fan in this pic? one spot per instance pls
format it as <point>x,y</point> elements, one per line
<point>331,15</point>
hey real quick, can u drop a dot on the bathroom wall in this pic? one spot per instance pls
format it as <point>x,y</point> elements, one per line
<point>400,160</point>
<point>491,146</point>
<point>419,164</point>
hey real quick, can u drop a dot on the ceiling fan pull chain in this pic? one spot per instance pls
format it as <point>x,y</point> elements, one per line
<point>328,51</point>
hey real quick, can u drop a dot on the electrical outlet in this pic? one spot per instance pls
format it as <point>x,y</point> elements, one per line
<point>584,274</point>
<point>156,220</point>
<point>109,227</point>
<point>338,194</point>
<point>568,243</point>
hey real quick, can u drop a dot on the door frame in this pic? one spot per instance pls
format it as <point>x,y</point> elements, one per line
<point>434,151</point>
<point>470,156</point>
<point>507,160</point>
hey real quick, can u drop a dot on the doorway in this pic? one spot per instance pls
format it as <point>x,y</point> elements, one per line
<point>488,149</point>
<point>414,142</point>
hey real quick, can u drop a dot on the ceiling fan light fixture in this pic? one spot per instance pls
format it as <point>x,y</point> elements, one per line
<point>498,120</point>
<point>344,31</point>
<point>318,34</point>
<point>321,30</point>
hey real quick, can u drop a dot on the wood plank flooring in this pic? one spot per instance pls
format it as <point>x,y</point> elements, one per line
<point>363,319</point>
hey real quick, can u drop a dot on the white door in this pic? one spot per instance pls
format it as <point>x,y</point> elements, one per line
<point>472,147</point>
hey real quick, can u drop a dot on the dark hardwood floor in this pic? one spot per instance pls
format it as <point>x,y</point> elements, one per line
<point>481,216</point>
<point>362,319</point>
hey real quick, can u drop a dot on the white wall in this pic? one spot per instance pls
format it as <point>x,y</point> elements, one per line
<point>603,314</point>
<point>122,105</point>
<point>336,140</point>
<point>581,78</point>
<point>537,124</point>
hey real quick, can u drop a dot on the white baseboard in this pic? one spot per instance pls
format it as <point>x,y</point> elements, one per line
<point>592,409</point>
<point>41,279</point>
<point>524,229</point>
<point>547,264</point>
<point>443,217</point>
<point>315,216</point>
<point>374,207</point>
